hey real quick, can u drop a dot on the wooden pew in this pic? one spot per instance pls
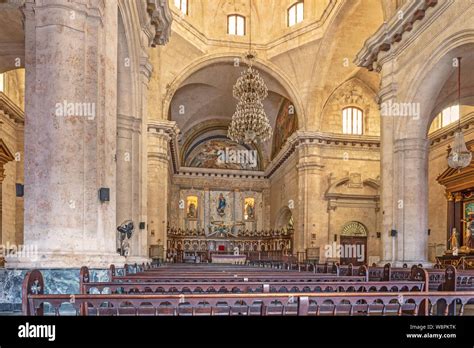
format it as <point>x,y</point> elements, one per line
<point>86,287</point>
<point>388,303</point>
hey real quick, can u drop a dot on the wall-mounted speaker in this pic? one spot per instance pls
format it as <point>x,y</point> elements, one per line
<point>379,235</point>
<point>141,225</point>
<point>335,237</point>
<point>104,194</point>
<point>20,190</point>
<point>393,233</point>
<point>429,231</point>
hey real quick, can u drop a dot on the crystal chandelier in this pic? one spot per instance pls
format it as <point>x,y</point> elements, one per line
<point>250,123</point>
<point>459,157</point>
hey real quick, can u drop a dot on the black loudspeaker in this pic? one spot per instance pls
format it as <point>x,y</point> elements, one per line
<point>335,237</point>
<point>429,231</point>
<point>393,233</point>
<point>141,225</point>
<point>20,190</point>
<point>104,194</point>
<point>379,234</point>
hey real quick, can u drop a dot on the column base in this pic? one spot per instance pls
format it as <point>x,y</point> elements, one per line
<point>56,259</point>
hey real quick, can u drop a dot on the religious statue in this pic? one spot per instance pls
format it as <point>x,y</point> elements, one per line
<point>126,231</point>
<point>469,230</point>
<point>192,211</point>
<point>250,211</point>
<point>453,241</point>
<point>221,205</point>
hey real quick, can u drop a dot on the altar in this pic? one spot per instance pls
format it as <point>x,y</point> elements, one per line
<point>229,259</point>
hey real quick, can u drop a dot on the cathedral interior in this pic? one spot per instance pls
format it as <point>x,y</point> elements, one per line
<point>286,133</point>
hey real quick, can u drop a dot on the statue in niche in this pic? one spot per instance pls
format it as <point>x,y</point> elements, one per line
<point>192,211</point>
<point>221,205</point>
<point>249,205</point>
<point>125,231</point>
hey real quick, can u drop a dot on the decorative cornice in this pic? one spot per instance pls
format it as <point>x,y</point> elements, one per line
<point>146,68</point>
<point>171,130</point>
<point>5,157</point>
<point>11,109</point>
<point>161,19</point>
<point>302,138</point>
<point>392,32</point>
<point>447,133</point>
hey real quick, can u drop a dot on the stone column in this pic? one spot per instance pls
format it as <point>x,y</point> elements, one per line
<point>411,195</point>
<point>70,130</point>
<point>160,133</point>
<point>310,200</point>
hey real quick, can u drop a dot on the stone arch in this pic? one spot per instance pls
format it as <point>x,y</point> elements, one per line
<point>354,229</point>
<point>266,66</point>
<point>351,93</point>
<point>428,80</point>
<point>283,217</point>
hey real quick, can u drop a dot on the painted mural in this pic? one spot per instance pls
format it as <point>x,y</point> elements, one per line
<point>286,124</point>
<point>222,153</point>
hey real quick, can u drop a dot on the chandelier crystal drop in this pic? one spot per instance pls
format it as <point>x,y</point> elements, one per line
<point>250,86</point>
<point>249,123</point>
<point>459,157</point>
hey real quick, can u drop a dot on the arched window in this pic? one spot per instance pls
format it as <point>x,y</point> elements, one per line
<point>182,5</point>
<point>445,118</point>
<point>352,121</point>
<point>296,13</point>
<point>236,25</point>
<point>2,83</point>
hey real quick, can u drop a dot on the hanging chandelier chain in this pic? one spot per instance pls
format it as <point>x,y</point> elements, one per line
<point>459,157</point>
<point>250,123</point>
<point>459,91</point>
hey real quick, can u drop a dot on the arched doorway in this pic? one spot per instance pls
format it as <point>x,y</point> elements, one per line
<point>353,244</point>
<point>285,222</point>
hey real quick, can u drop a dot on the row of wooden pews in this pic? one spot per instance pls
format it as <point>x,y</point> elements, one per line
<point>243,290</point>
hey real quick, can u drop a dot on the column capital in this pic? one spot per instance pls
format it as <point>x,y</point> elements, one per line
<point>160,127</point>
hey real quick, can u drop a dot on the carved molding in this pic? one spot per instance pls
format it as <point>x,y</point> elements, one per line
<point>161,19</point>
<point>5,157</point>
<point>392,32</point>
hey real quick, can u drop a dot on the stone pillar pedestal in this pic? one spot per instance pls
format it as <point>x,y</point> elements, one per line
<point>70,134</point>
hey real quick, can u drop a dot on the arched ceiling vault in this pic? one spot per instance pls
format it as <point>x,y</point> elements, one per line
<point>205,97</point>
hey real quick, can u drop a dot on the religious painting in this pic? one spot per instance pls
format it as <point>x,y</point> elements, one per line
<point>249,209</point>
<point>221,208</point>
<point>221,205</point>
<point>468,224</point>
<point>192,205</point>
<point>222,153</point>
<point>286,124</point>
